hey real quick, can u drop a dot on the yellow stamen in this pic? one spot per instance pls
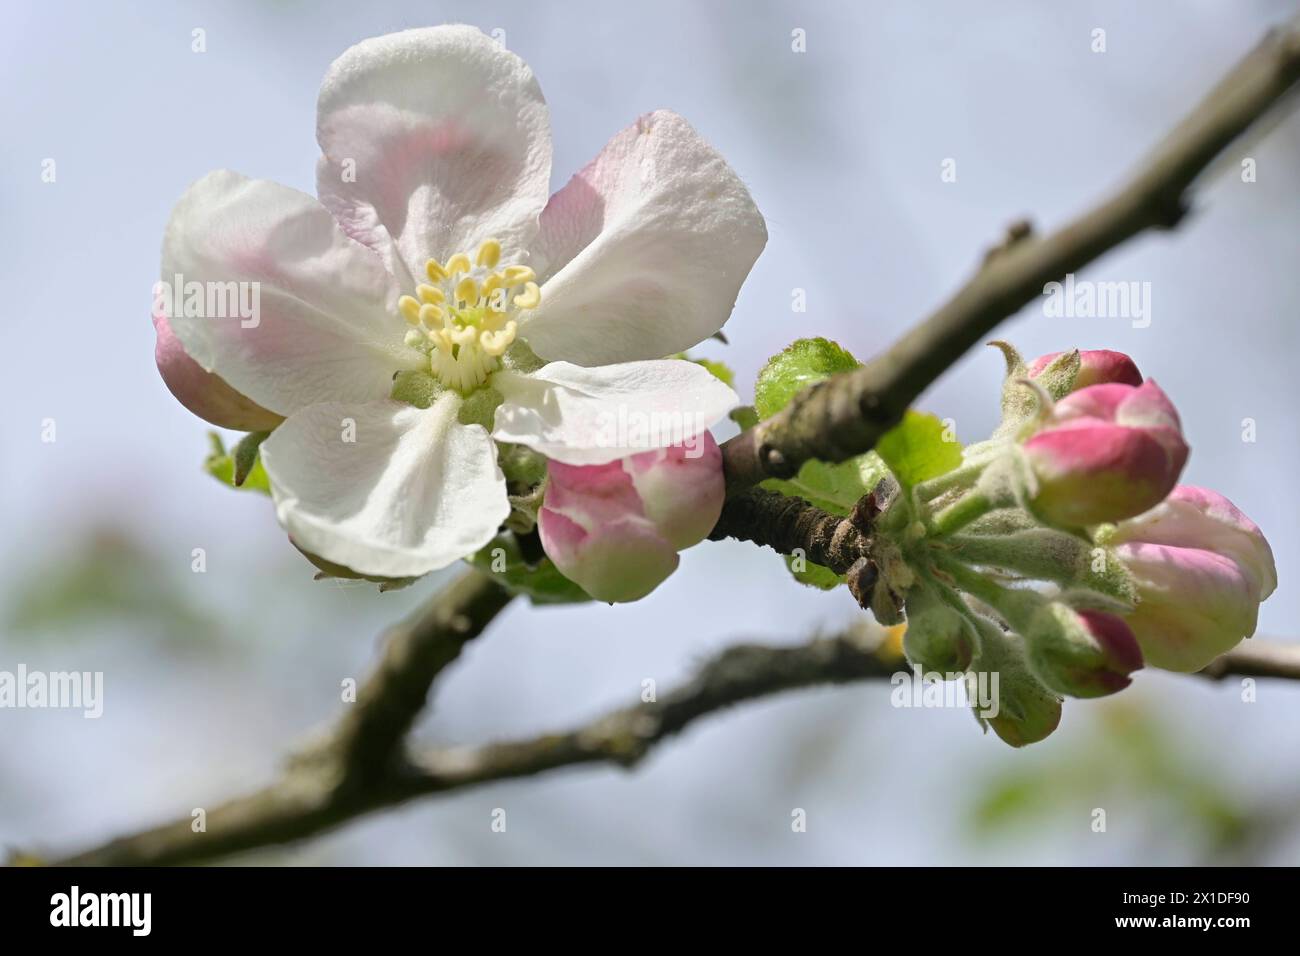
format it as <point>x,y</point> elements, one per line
<point>435,271</point>
<point>431,294</point>
<point>458,263</point>
<point>431,315</point>
<point>409,308</point>
<point>467,291</point>
<point>530,297</point>
<point>516,275</point>
<point>489,253</point>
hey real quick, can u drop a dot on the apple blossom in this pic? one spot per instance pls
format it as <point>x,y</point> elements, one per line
<point>616,528</point>
<point>1202,568</point>
<point>433,301</point>
<point>1106,452</point>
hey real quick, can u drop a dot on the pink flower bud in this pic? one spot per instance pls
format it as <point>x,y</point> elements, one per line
<point>615,529</point>
<point>1108,452</point>
<point>202,392</point>
<point>1081,653</point>
<point>1096,367</point>
<point>1202,568</point>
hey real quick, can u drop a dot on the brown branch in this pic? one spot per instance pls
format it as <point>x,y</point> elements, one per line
<point>308,799</point>
<point>336,777</point>
<point>301,805</point>
<point>1256,658</point>
<point>846,415</point>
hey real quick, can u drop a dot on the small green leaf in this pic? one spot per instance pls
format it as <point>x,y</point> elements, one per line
<point>915,449</point>
<point>804,362</point>
<point>744,416</point>
<point>814,575</point>
<point>834,488</point>
<point>543,584</point>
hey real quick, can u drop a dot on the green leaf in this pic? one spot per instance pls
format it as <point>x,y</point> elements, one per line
<point>804,362</point>
<point>221,465</point>
<point>814,575</point>
<point>543,584</point>
<point>915,449</point>
<point>834,488</point>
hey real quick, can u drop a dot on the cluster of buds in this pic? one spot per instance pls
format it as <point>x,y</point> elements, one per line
<point>1073,554</point>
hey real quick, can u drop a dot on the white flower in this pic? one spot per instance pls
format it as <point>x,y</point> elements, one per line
<point>433,249</point>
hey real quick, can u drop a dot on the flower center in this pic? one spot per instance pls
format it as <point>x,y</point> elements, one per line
<point>464,316</point>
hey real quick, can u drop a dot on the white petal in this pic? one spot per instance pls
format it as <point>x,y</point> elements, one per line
<point>589,416</point>
<point>645,250</point>
<point>415,491</point>
<point>449,139</point>
<point>325,326</point>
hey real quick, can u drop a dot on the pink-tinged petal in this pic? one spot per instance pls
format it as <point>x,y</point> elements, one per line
<point>326,327</point>
<point>621,560</point>
<point>433,140</point>
<point>203,393</point>
<point>589,416</point>
<point>1091,474</point>
<point>644,251</point>
<point>1096,367</point>
<point>681,487</point>
<point>386,489</point>
<point>1193,517</point>
<point>1107,452</point>
<point>1193,605</point>
<point>592,493</point>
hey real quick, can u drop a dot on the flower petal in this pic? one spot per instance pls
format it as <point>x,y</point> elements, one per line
<point>644,251</point>
<point>446,139</point>
<point>323,324</point>
<point>414,490</point>
<point>589,416</point>
<point>203,393</point>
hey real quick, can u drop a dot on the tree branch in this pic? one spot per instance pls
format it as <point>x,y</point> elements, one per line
<point>302,805</point>
<point>334,778</point>
<point>847,414</point>
<point>1256,658</point>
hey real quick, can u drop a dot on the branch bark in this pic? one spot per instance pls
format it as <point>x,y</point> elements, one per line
<point>847,414</point>
<point>303,805</point>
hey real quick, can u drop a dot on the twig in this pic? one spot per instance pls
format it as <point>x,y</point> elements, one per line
<point>846,415</point>
<point>333,779</point>
<point>1256,658</point>
<point>299,806</point>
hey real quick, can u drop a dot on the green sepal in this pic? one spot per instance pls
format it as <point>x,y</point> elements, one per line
<point>416,387</point>
<point>246,456</point>
<point>221,465</point>
<point>480,407</point>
